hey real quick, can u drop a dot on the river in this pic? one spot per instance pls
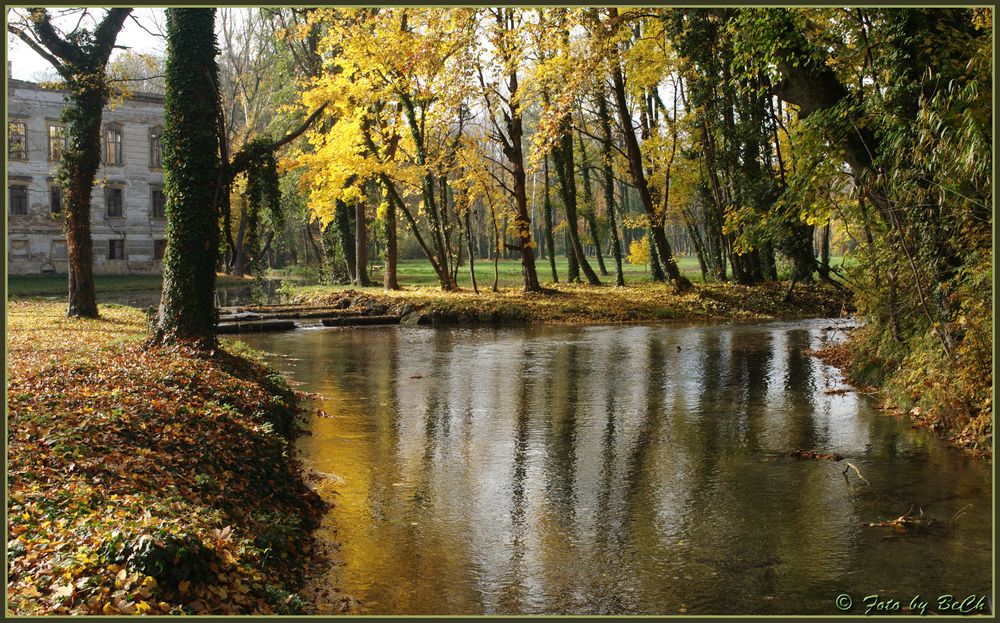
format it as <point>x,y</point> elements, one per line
<point>623,470</point>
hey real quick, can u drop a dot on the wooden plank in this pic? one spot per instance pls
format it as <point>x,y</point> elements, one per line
<point>326,313</point>
<point>255,326</point>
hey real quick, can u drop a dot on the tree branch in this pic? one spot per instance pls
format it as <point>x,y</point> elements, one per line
<point>49,37</point>
<point>242,159</point>
<point>38,49</point>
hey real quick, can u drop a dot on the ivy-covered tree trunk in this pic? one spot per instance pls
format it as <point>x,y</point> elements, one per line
<point>824,253</point>
<point>81,62</point>
<point>345,232</point>
<point>192,178</point>
<point>80,163</point>
<point>655,266</point>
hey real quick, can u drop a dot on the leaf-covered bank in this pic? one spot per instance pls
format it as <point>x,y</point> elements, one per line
<point>147,481</point>
<point>583,304</point>
<point>916,379</point>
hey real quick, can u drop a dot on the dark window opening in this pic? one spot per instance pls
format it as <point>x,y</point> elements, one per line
<point>156,148</point>
<point>159,203</point>
<point>114,202</point>
<point>55,199</point>
<point>18,202</point>
<point>116,249</point>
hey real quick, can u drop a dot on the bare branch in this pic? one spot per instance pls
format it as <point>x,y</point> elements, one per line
<point>38,49</point>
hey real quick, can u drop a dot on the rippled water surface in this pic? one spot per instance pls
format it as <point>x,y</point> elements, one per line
<point>625,469</point>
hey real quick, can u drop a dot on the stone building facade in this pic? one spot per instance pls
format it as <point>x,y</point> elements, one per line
<point>127,217</point>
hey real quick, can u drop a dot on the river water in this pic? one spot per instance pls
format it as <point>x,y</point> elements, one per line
<point>623,469</point>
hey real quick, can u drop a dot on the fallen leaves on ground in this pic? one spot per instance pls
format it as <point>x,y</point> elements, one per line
<point>582,304</point>
<point>147,481</point>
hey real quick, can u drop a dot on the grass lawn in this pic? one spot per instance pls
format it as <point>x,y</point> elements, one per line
<point>28,286</point>
<point>420,273</point>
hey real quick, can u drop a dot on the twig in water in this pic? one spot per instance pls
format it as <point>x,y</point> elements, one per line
<point>960,512</point>
<point>857,471</point>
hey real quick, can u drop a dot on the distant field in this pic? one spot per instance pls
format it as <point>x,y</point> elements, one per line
<point>411,273</point>
<point>420,273</point>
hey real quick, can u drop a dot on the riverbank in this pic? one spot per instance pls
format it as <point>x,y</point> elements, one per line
<point>147,481</point>
<point>951,398</point>
<point>583,304</point>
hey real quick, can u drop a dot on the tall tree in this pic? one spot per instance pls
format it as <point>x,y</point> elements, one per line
<point>550,240</point>
<point>506,39</point>
<point>193,178</point>
<point>80,57</point>
<point>635,162</point>
<point>604,119</point>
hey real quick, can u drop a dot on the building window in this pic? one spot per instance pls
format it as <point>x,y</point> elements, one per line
<point>158,203</point>
<point>18,200</point>
<point>159,249</point>
<point>113,144</point>
<point>57,142</point>
<point>116,249</point>
<point>55,199</point>
<point>17,140</point>
<point>114,202</point>
<point>156,147</point>
<point>58,250</point>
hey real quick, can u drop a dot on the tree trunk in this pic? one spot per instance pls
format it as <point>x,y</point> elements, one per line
<point>81,61</point>
<point>240,263</point>
<point>193,179</point>
<point>345,235</point>
<point>609,188</point>
<point>824,253</point>
<point>394,197</point>
<point>549,238</point>
<point>590,212</point>
<point>472,251</point>
<point>81,160</point>
<point>361,245</point>
<point>655,267</point>
<point>316,249</point>
<point>639,181</point>
<point>428,187</point>
<point>567,181</point>
<point>391,282</point>
<point>515,156</point>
